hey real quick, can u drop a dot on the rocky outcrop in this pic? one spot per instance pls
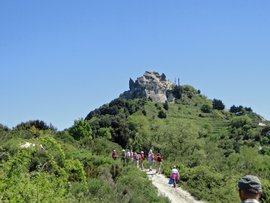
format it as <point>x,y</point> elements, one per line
<point>150,85</point>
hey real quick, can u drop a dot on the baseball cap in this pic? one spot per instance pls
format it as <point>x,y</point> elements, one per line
<point>250,183</point>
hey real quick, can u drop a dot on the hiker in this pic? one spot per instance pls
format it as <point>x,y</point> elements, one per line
<point>114,154</point>
<point>135,158</point>
<point>128,156</point>
<point>159,160</point>
<point>175,176</point>
<point>138,157</point>
<point>124,157</point>
<point>131,155</point>
<point>250,189</point>
<point>141,160</point>
<point>151,158</point>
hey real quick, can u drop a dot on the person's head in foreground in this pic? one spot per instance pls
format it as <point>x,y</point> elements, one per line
<point>250,188</point>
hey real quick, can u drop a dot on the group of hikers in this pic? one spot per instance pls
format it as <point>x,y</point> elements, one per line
<point>138,159</point>
<point>249,186</point>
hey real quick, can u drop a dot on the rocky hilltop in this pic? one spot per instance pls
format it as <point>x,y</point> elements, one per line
<point>150,85</point>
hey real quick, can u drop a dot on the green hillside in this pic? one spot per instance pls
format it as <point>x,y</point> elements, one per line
<point>39,164</point>
<point>211,146</point>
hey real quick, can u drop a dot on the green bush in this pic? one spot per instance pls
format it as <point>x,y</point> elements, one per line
<point>218,104</point>
<point>207,184</point>
<point>241,122</point>
<point>206,108</point>
<point>134,186</point>
<point>81,129</point>
<point>266,190</point>
<point>162,114</point>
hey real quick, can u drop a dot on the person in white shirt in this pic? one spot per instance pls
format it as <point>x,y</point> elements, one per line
<point>175,176</point>
<point>151,158</point>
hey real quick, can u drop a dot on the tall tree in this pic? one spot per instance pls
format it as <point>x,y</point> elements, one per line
<point>218,104</point>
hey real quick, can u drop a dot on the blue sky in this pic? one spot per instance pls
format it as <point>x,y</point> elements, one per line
<point>61,59</point>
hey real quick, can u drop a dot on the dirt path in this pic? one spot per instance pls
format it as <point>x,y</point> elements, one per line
<point>176,195</point>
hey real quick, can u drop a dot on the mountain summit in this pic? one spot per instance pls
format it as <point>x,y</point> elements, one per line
<point>150,85</point>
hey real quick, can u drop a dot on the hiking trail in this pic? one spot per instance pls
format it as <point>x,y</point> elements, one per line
<point>176,195</point>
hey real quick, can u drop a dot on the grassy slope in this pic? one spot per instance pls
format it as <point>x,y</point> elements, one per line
<point>206,149</point>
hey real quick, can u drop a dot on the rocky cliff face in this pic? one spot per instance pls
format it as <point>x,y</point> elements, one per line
<point>150,85</point>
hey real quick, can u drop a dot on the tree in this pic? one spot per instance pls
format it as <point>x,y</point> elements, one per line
<point>40,125</point>
<point>162,114</point>
<point>217,104</point>
<point>81,129</point>
<point>105,132</point>
<point>163,77</point>
<point>236,109</point>
<point>206,108</point>
<point>177,91</point>
<point>249,109</point>
<point>3,127</point>
<point>166,105</point>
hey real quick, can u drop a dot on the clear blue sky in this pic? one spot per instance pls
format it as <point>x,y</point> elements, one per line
<point>61,59</point>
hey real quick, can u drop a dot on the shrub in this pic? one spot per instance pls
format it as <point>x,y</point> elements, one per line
<point>206,108</point>
<point>81,129</point>
<point>177,91</point>
<point>217,104</point>
<point>144,112</point>
<point>213,184</point>
<point>105,132</point>
<point>134,186</point>
<point>40,125</point>
<point>266,190</point>
<point>240,122</point>
<point>166,106</point>
<point>3,128</point>
<point>236,109</point>
<point>162,114</point>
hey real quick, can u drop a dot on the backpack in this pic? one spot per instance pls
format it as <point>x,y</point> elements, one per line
<point>114,154</point>
<point>159,159</point>
<point>128,155</point>
<point>123,154</point>
<point>151,157</point>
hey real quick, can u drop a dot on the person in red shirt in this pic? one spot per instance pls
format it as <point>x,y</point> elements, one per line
<point>159,160</point>
<point>114,154</point>
<point>142,160</point>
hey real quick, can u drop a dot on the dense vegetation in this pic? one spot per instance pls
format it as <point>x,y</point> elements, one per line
<point>39,164</point>
<point>211,146</point>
